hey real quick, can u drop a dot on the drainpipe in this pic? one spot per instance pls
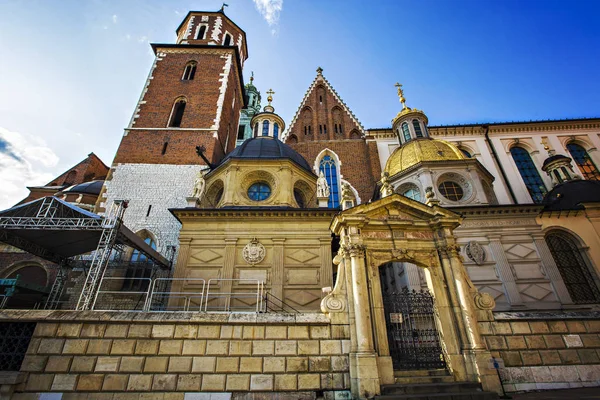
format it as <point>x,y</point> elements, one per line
<point>499,164</point>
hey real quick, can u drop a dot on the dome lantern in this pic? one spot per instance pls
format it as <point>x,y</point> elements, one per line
<point>267,123</point>
<point>409,123</point>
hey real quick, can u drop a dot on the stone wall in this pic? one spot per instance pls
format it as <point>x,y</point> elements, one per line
<point>168,355</point>
<point>545,350</point>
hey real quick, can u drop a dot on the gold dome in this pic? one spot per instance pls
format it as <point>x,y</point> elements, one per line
<point>417,151</point>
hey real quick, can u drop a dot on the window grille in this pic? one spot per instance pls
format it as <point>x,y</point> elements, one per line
<point>14,340</point>
<point>276,130</point>
<point>529,173</point>
<point>265,128</point>
<point>575,273</point>
<point>584,162</point>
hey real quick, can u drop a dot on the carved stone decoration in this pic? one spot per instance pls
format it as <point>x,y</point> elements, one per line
<point>322,186</point>
<point>475,252</point>
<point>484,301</point>
<point>253,252</point>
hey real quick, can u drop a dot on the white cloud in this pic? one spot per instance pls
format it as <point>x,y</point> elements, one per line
<point>270,10</point>
<point>143,39</point>
<point>114,19</point>
<point>25,160</point>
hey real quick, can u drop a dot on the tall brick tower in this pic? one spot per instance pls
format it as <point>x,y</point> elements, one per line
<point>192,97</point>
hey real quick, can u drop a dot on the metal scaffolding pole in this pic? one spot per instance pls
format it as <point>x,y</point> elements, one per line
<point>57,287</point>
<point>110,228</point>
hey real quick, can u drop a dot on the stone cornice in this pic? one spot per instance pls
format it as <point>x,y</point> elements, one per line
<point>252,213</point>
<point>526,210</point>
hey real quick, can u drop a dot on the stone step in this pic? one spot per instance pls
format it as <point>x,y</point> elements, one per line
<point>421,372</point>
<point>447,387</point>
<point>407,380</point>
<point>441,396</point>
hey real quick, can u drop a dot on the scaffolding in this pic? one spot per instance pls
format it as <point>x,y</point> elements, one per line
<point>57,231</point>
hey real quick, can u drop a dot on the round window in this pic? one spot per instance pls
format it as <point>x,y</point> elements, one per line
<point>259,191</point>
<point>451,190</point>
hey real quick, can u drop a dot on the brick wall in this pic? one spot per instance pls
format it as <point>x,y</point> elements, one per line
<point>185,353</point>
<point>550,353</point>
<point>360,161</point>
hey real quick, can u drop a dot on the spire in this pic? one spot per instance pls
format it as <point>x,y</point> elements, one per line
<point>269,107</point>
<point>401,95</point>
<point>251,77</point>
<point>319,71</point>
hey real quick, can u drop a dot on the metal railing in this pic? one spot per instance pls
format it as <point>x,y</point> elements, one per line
<point>225,304</point>
<point>167,294</point>
<point>130,295</point>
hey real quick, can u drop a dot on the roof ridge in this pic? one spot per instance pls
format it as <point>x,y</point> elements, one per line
<point>335,95</point>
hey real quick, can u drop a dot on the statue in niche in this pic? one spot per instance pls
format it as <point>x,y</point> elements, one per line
<point>322,186</point>
<point>199,186</point>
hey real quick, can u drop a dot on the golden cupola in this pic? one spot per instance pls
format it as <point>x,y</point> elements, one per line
<point>416,146</point>
<point>418,151</point>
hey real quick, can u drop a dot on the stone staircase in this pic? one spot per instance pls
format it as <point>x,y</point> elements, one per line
<point>432,385</point>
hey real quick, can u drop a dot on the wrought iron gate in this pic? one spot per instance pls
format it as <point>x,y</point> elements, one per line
<point>412,335</point>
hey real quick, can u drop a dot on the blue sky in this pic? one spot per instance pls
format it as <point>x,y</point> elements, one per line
<point>72,71</point>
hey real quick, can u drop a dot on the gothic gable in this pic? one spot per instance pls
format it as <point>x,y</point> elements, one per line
<point>322,115</point>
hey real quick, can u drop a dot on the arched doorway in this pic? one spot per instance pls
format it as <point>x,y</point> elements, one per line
<point>413,338</point>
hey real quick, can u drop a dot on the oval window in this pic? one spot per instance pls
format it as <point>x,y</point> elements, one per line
<point>259,191</point>
<point>451,190</point>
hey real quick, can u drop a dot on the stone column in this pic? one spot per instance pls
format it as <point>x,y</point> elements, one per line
<point>227,273</point>
<point>277,271</point>
<point>366,380</point>
<point>180,268</point>
<point>505,272</point>
<point>560,289</point>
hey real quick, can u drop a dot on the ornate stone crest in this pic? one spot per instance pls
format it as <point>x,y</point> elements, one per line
<point>475,252</point>
<point>253,252</point>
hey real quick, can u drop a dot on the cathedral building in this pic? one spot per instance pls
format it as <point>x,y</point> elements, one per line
<point>316,258</point>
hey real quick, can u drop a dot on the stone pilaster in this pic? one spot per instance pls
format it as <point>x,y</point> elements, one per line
<point>505,273</point>
<point>277,271</point>
<point>180,267</point>
<point>560,289</point>
<point>326,272</point>
<point>228,271</point>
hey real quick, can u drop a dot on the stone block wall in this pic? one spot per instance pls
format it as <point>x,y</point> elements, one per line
<point>545,350</point>
<point>166,355</point>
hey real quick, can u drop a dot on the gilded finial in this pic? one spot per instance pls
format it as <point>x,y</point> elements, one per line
<point>401,95</point>
<point>270,98</point>
<point>319,70</point>
<point>252,77</point>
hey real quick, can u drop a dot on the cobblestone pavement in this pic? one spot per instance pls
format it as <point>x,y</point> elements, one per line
<point>583,393</point>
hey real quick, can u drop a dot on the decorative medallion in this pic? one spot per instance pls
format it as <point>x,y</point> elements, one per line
<point>475,252</point>
<point>254,252</point>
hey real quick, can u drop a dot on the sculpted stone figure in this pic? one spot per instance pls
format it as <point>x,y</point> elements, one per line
<point>322,186</point>
<point>386,187</point>
<point>199,186</point>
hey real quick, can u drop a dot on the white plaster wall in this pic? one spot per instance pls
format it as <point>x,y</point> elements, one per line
<point>163,187</point>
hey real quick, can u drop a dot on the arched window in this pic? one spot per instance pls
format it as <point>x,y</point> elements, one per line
<point>405,132</point>
<point>135,274</point>
<point>227,40</point>
<point>529,173</point>
<point>276,130</point>
<point>413,193</point>
<point>70,178</point>
<point>177,114</point>
<point>201,32</point>
<point>575,273</point>
<point>189,71</point>
<point>465,153</point>
<point>584,162</point>
<point>265,129</point>
<point>417,127</point>
<point>327,165</point>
